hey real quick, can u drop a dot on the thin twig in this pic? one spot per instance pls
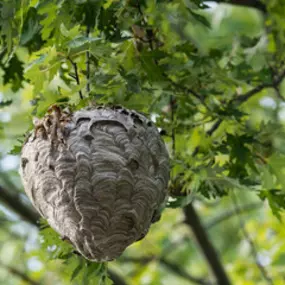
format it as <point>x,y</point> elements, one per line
<point>214,127</point>
<point>178,270</point>
<point>87,64</point>
<point>275,87</point>
<point>196,150</point>
<point>209,133</point>
<point>186,90</point>
<point>229,214</point>
<point>254,250</point>
<point>76,75</point>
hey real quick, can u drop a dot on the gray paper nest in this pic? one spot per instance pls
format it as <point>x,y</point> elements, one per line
<point>99,176</point>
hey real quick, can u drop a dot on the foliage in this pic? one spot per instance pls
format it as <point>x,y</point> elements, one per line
<point>211,78</point>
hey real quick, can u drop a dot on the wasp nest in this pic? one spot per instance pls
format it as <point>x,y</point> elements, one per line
<point>99,176</point>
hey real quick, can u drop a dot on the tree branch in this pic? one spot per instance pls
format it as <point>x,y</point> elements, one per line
<point>19,274</point>
<point>18,206</point>
<point>242,98</point>
<point>193,221</point>
<point>197,228</point>
<point>178,270</point>
<point>117,279</point>
<point>257,4</point>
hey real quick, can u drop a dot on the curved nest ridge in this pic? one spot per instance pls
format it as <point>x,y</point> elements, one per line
<point>99,176</point>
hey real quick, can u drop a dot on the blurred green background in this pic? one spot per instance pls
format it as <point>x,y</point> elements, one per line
<point>209,63</point>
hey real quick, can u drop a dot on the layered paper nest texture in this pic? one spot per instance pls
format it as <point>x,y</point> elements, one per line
<point>98,175</point>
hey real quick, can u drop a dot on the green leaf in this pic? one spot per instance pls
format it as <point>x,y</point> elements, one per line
<point>14,73</point>
<point>277,166</point>
<point>15,150</point>
<point>151,68</point>
<point>276,200</point>
<point>76,271</point>
<point>53,244</point>
<point>31,26</point>
<point>81,44</point>
<point>280,261</point>
<point>199,18</point>
<point>6,25</point>
<point>108,24</point>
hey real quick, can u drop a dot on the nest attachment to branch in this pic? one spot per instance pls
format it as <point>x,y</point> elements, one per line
<point>99,176</point>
